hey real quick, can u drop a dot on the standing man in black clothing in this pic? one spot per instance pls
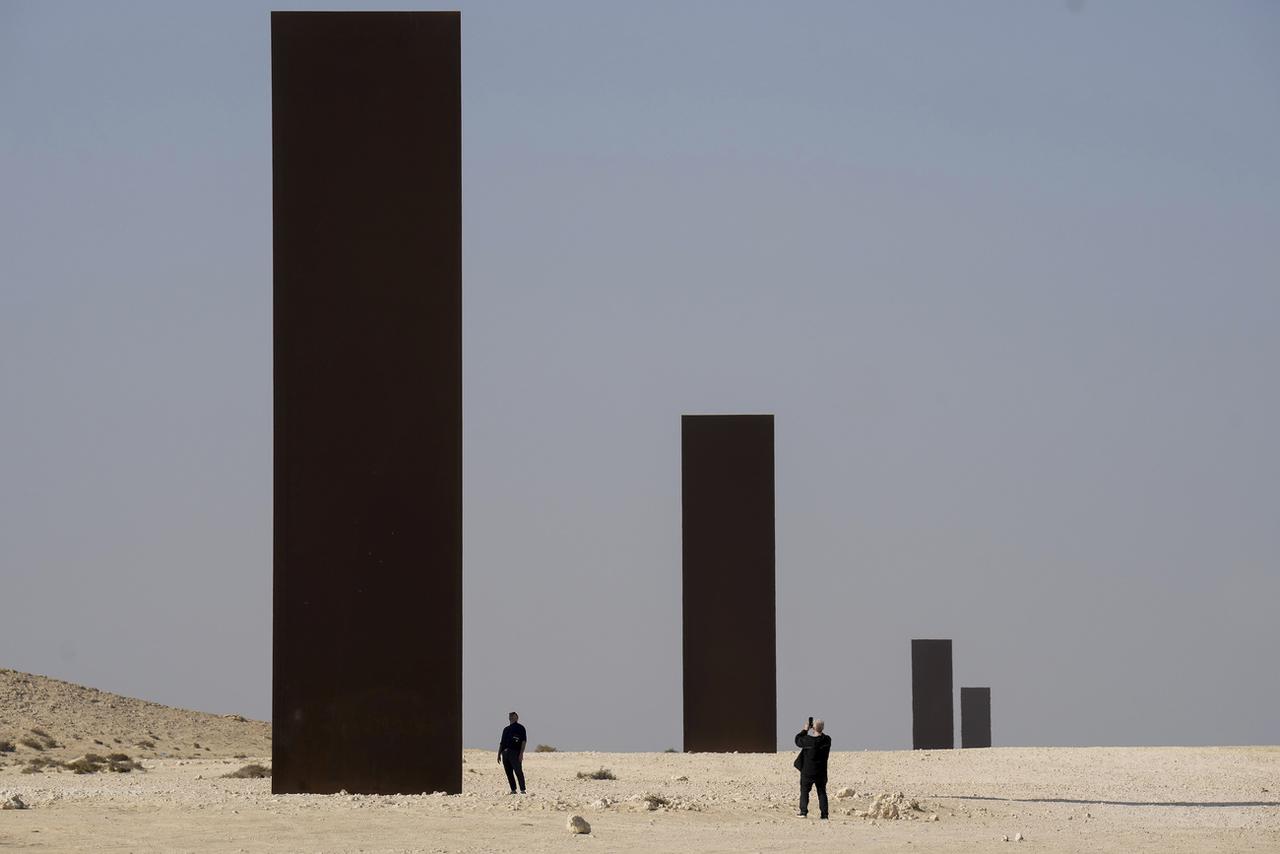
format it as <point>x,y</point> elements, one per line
<point>812,764</point>
<point>511,753</point>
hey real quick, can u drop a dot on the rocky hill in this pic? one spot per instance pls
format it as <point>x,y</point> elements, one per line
<point>56,720</point>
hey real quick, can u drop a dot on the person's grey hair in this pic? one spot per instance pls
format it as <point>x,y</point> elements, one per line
<point>818,724</point>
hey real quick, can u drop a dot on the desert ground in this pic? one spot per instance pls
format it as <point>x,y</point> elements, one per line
<point>1169,799</point>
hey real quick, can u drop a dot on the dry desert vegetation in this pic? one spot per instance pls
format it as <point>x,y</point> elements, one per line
<point>173,786</point>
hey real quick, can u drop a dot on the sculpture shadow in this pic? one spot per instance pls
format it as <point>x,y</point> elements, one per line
<point>1090,801</point>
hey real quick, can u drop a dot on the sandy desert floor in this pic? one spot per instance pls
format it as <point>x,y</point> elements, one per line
<point>1175,799</point>
<point>1059,799</point>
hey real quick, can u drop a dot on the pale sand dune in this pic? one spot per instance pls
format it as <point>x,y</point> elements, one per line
<point>1060,799</point>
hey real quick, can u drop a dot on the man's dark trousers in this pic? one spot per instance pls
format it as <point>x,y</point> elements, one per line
<point>511,759</point>
<point>805,784</point>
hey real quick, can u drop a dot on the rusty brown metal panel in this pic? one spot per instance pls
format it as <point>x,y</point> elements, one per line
<point>367,641</point>
<point>932,709</point>
<point>730,659</point>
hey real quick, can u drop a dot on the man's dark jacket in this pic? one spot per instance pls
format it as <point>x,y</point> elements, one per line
<point>814,749</point>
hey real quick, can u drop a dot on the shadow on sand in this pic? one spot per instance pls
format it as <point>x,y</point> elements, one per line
<point>1089,802</point>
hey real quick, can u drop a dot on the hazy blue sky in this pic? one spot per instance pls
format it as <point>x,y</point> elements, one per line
<point>1007,273</point>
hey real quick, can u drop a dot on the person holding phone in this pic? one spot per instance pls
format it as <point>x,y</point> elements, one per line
<point>815,747</point>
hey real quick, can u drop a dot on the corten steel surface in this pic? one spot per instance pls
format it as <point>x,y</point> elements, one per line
<point>367,671</point>
<point>975,717</point>
<point>932,722</point>
<point>730,680</point>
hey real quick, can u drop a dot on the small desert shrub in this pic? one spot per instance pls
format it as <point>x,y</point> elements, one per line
<point>670,750</point>
<point>544,748</point>
<point>246,756</point>
<point>656,801</point>
<point>37,764</point>
<point>602,774</point>
<point>6,746</point>
<point>145,744</point>
<point>92,763</point>
<point>46,740</point>
<point>84,766</point>
<point>95,741</point>
<point>28,741</point>
<point>253,770</point>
